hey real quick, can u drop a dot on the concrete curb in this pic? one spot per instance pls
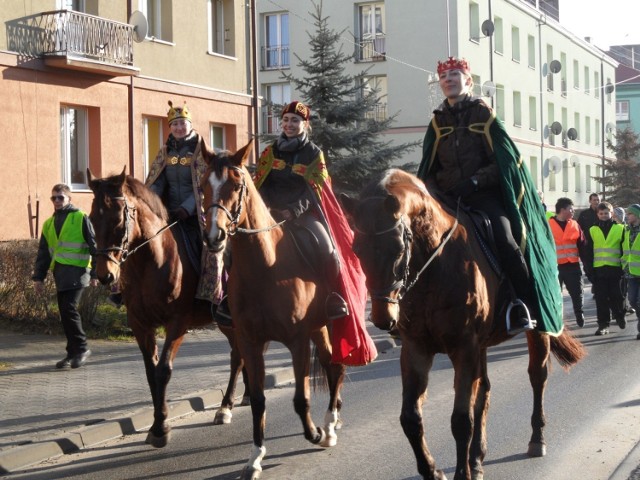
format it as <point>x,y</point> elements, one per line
<point>18,458</point>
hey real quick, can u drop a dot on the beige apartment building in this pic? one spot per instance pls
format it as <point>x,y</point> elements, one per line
<point>85,84</point>
<point>554,91</point>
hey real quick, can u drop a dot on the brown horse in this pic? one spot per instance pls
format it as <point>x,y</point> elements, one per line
<point>272,296</point>
<point>159,284</point>
<point>409,244</point>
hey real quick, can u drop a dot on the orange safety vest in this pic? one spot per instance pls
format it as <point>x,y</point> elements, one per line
<point>566,241</point>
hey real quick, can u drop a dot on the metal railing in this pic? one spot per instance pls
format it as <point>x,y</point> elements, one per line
<point>275,57</point>
<point>378,112</point>
<point>72,34</point>
<point>372,50</point>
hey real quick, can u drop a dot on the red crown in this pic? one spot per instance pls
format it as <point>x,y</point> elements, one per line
<point>454,63</point>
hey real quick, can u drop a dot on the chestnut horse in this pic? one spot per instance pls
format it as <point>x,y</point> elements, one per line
<point>159,284</point>
<point>426,271</point>
<point>272,296</point>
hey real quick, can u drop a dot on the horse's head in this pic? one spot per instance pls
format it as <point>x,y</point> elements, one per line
<point>382,242</point>
<point>225,193</point>
<point>111,219</point>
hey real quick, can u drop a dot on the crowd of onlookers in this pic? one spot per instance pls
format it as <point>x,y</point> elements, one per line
<point>605,241</point>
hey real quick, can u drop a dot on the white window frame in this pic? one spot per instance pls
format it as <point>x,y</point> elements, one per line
<point>149,151</point>
<point>279,94</point>
<point>153,11</point>
<point>622,111</point>
<point>64,5</point>
<point>533,113</point>
<point>281,45</point>
<point>220,41</point>
<point>217,146</point>
<point>515,44</point>
<point>517,109</point>
<point>81,150</point>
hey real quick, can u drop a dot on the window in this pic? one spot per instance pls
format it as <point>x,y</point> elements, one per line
<point>377,84</point>
<point>152,140</point>
<point>596,84</point>
<point>517,109</point>
<point>158,13</point>
<point>74,146</point>
<point>533,169</point>
<point>563,74</point>
<point>551,117</point>
<point>622,110</point>
<point>500,102</point>
<point>565,175</point>
<point>221,27</point>
<point>531,61</point>
<point>587,81</point>
<point>277,95</point>
<point>587,130</point>
<point>552,181</point>
<point>217,137</point>
<point>576,122</point>
<point>607,90</point>
<point>477,85</point>
<point>576,177</point>
<point>372,32</point>
<point>515,44</point>
<point>275,52</point>
<point>498,36</point>
<point>587,178</point>
<point>533,116</point>
<point>576,75</point>
<point>597,131</point>
<point>474,22</point>
<point>565,122</point>
<point>75,5</point>
<point>549,74</point>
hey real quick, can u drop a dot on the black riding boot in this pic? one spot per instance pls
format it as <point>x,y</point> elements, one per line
<point>518,313</point>
<point>335,306</point>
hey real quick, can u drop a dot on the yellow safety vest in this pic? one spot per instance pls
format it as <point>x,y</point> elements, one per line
<point>70,247</point>
<point>632,255</point>
<point>607,251</point>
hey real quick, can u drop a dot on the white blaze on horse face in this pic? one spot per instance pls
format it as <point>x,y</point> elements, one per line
<point>215,183</point>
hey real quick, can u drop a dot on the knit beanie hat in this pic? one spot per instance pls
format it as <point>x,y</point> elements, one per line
<point>619,213</point>
<point>634,210</point>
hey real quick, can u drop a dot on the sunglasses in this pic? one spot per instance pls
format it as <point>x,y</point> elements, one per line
<point>60,198</point>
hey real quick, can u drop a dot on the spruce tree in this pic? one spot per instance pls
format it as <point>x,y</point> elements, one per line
<point>342,125</point>
<point>621,177</point>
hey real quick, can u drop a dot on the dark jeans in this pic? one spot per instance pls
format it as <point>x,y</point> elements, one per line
<point>633,292</point>
<point>609,299</point>
<point>71,322</point>
<point>569,274</point>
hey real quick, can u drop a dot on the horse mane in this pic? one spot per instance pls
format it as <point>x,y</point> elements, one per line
<point>144,194</point>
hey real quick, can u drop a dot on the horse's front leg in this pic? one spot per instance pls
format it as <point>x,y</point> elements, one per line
<point>223,414</point>
<point>539,348</point>
<point>335,375</point>
<point>160,431</point>
<point>478,448</point>
<point>253,355</point>
<point>415,364</point>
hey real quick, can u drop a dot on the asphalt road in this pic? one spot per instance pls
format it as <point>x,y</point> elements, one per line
<point>593,422</point>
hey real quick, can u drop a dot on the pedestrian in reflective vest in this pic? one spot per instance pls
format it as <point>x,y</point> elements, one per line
<point>607,239</point>
<point>632,260</point>
<point>66,246</point>
<point>571,247</point>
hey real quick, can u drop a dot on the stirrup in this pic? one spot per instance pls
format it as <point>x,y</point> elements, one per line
<point>335,306</point>
<point>531,323</point>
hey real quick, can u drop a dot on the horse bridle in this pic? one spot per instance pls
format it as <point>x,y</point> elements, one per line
<point>234,217</point>
<point>128,214</point>
<point>401,271</point>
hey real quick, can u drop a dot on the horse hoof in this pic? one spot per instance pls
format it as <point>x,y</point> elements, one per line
<point>246,401</point>
<point>537,449</point>
<point>440,475</point>
<point>338,424</point>
<point>158,442</point>
<point>223,417</point>
<point>477,475</point>
<point>321,438</point>
<point>329,441</point>
<point>250,473</point>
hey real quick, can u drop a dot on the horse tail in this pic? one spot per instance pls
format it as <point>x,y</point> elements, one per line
<point>318,374</point>
<point>567,349</point>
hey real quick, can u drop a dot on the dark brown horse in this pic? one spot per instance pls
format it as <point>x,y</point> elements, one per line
<point>272,296</point>
<point>408,243</point>
<point>159,284</point>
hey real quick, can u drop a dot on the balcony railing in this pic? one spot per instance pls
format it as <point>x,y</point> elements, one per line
<point>275,57</point>
<point>73,36</point>
<point>372,50</point>
<point>378,112</point>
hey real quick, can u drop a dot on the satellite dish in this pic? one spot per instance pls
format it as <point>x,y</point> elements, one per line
<point>555,164</point>
<point>488,88</point>
<point>487,28</point>
<point>574,160</point>
<point>556,128</point>
<point>555,66</point>
<point>572,134</point>
<point>140,26</point>
<point>610,127</point>
<point>608,88</point>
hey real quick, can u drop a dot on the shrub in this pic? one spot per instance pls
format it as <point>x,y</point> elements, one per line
<point>22,310</point>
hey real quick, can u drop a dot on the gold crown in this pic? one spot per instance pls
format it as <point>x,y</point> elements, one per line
<point>453,63</point>
<point>175,113</point>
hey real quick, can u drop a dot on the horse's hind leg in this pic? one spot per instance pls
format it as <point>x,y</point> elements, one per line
<point>478,448</point>
<point>415,365</point>
<point>335,375</point>
<point>159,432</point>
<point>223,414</point>
<point>539,348</point>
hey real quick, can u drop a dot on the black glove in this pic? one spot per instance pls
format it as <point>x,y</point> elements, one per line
<point>178,214</point>
<point>465,188</point>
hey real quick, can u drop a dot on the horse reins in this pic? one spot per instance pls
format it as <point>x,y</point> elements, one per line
<point>128,213</point>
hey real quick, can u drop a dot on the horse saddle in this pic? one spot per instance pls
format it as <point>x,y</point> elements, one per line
<point>307,246</point>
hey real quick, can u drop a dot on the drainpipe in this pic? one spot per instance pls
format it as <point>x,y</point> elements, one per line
<point>254,79</point>
<point>542,21</point>
<point>602,125</point>
<point>130,107</point>
<point>491,55</point>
